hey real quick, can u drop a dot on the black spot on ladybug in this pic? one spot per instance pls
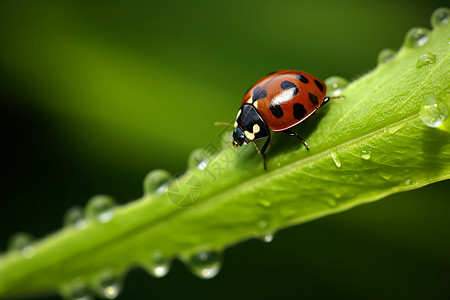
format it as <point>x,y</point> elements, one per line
<point>258,94</point>
<point>314,99</point>
<point>289,85</point>
<point>276,110</point>
<point>319,85</point>
<point>302,78</point>
<point>299,111</point>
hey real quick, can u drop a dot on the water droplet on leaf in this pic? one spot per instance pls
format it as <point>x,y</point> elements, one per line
<point>198,159</point>
<point>74,216</point>
<point>335,85</point>
<point>76,291</point>
<point>108,285</point>
<point>440,17</point>
<point>158,266</point>
<point>425,59</point>
<point>333,202</point>
<point>100,208</point>
<point>386,56</point>
<point>265,203</point>
<point>365,154</point>
<point>434,111</point>
<point>336,159</point>
<point>156,182</point>
<point>416,37</point>
<point>206,264</point>
<point>268,238</point>
<point>22,242</point>
<point>262,224</point>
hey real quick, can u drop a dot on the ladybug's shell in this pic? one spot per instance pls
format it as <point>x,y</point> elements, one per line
<point>286,98</point>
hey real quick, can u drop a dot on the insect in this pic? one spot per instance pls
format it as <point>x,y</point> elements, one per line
<point>277,102</point>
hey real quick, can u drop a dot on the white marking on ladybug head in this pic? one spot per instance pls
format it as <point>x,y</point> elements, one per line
<point>250,100</point>
<point>249,135</point>
<point>256,128</point>
<point>238,114</point>
<point>235,124</point>
<point>285,96</point>
<point>255,104</point>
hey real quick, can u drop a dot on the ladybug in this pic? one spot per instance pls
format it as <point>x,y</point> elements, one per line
<point>277,102</point>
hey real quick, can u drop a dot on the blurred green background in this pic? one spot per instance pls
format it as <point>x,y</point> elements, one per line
<point>94,94</point>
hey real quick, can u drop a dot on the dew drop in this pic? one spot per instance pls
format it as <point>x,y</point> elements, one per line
<point>425,60</point>
<point>198,159</point>
<point>265,203</point>
<point>76,291</point>
<point>336,159</point>
<point>74,217</point>
<point>108,286</point>
<point>365,154</point>
<point>386,175</point>
<point>386,56</point>
<point>158,266</point>
<point>156,182</point>
<point>22,242</point>
<point>226,138</point>
<point>434,111</point>
<point>335,85</point>
<point>333,202</point>
<point>268,238</point>
<point>440,17</point>
<point>100,208</point>
<point>206,264</point>
<point>416,37</point>
<point>262,224</point>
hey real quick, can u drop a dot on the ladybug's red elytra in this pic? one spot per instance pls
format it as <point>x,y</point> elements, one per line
<point>277,102</point>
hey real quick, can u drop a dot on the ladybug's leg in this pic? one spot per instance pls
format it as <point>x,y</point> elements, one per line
<point>263,150</point>
<point>294,134</point>
<point>256,147</point>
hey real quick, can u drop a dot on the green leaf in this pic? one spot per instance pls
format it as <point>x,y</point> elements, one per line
<point>371,144</point>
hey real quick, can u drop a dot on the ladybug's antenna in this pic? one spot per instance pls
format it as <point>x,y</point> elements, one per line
<point>223,123</point>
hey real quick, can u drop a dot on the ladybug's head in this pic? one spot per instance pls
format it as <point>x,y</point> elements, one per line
<point>239,137</point>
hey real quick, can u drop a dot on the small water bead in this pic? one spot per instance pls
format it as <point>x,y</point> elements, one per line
<point>262,224</point>
<point>416,37</point>
<point>75,217</point>
<point>76,291</point>
<point>268,238</point>
<point>425,60</point>
<point>386,56</point>
<point>365,154</point>
<point>100,208</point>
<point>206,264</point>
<point>434,111</point>
<point>265,203</point>
<point>333,202</point>
<point>156,182</point>
<point>108,286</point>
<point>336,159</point>
<point>22,242</point>
<point>440,17</point>
<point>335,85</point>
<point>158,266</point>
<point>198,159</point>
<point>226,138</point>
